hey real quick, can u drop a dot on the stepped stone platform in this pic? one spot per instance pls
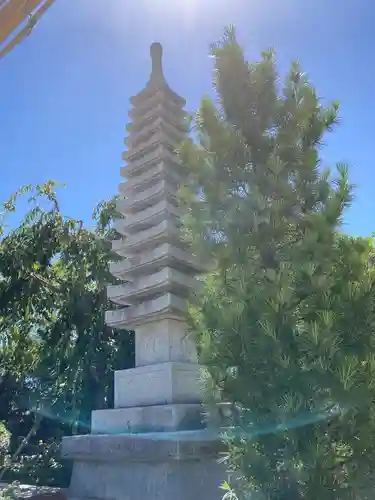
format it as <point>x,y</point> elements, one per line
<point>165,466</point>
<point>154,443</point>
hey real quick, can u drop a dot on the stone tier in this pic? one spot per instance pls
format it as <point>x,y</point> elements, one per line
<point>158,95</point>
<point>156,124</point>
<point>150,447</point>
<point>171,114</point>
<point>149,161</point>
<point>168,340</point>
<point>157,418</point>
<point>139,222</point>
<point>135,202</point>
<point>143,148</point>
<point>141,100</point>
<point>179,465</point>
<point>166,280</point>
<point>153,259</point>
<point>165,232</point>
<point>161,171</point>
<point>158,384</point>
<point>168,306</point>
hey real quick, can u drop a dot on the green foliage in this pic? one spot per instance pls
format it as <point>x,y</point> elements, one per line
<point>4,442</point>
<point>286,321</point>
<point>10,492</point>
<point>57,356</point>
<point>41,466</point>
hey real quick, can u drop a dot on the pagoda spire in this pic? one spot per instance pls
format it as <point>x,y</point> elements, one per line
<point>157,74</point>
<point>156,83</point>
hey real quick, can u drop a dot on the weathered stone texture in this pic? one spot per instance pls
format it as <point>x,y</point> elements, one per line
<point>162,394</point>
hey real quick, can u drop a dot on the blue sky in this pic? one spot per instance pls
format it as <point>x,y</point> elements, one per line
<point>65,91</point>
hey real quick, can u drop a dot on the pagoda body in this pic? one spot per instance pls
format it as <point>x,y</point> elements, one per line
<point>155,434</point>
<point>157,271</point>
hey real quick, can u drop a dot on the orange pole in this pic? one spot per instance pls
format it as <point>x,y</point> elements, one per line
<point>26,30</point>
<point>15,41</point>
<point>13,14</point>
<point>43,9</point>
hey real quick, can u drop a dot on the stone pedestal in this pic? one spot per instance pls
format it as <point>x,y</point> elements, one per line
<point>165,466</point>
<point>153,444</point>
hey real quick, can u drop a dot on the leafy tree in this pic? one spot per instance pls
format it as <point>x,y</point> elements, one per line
<point>286,321</point>
<point>57,356</point>
<point>4,442</point>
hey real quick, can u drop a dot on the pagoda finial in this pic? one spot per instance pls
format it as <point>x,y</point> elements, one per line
<point>156,52</point>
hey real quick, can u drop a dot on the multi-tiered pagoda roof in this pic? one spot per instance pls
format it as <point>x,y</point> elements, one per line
<point>157,269</point>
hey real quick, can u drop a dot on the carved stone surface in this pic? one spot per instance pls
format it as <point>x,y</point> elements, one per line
<point>166,280</point>
<point>167,340</point>
<point>161,383</point>
<point>189,480</point>
<point>160,466</point>
<point>147,447</point>
<point>146,262</point>
<point>168,306</point>
<point>160,418</point>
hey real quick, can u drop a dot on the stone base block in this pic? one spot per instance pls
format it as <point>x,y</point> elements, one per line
<point>159,466</point>
<point>159,384</point>
<point>147,419</point>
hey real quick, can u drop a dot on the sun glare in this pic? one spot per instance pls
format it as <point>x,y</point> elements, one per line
<point>182,9</point>
<point>165,18</point>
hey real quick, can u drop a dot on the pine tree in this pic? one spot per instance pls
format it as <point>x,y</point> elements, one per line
<point>286,321</point>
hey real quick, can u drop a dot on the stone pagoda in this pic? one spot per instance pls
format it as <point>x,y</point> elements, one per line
<point>153,443</point>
